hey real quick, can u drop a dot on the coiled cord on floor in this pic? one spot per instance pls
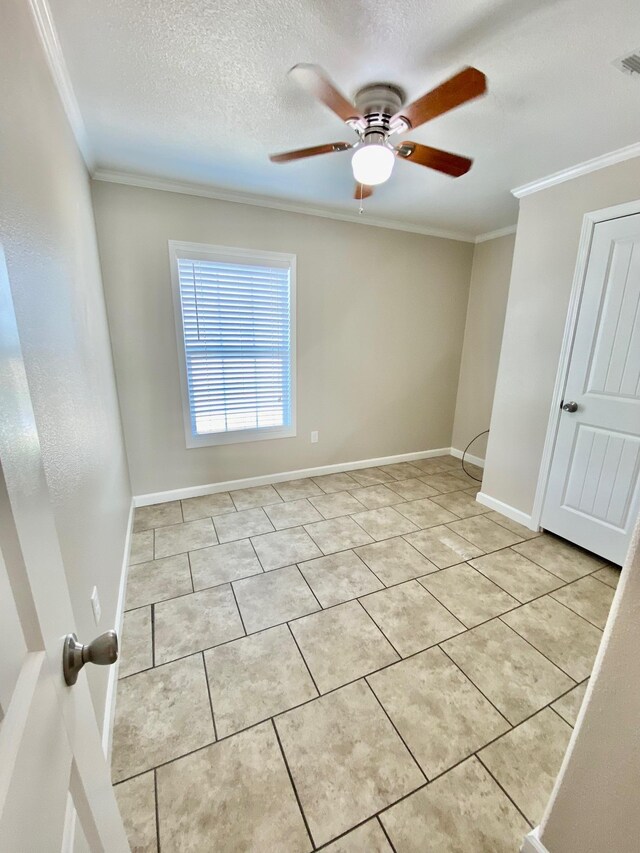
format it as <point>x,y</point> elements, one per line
<point>464,453</point>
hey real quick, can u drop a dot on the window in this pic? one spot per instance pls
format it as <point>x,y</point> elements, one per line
<point>235,314</point>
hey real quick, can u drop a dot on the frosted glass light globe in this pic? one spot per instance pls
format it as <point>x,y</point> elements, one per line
<point>372,164</point>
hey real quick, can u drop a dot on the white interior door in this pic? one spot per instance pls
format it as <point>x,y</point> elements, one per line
<point>593,491</point>
<point>50,746</point>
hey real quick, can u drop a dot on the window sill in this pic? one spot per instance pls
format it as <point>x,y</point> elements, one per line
<point>239,436</point>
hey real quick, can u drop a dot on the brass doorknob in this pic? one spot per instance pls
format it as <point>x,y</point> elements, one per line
<point>102,651</point>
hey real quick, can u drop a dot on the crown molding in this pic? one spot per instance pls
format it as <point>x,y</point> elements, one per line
<point>48,35</point>
<point>206,191</point>
<point>610,159</point>
<point>493,235</point>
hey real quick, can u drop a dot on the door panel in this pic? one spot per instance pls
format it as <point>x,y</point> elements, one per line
<point>35,751</point>
<point>614,369</point>
<point>602,473</point>
<point>49,739</point>
<point>593,491</point>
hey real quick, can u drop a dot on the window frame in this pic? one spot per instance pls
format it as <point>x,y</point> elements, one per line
<point>179,250</point>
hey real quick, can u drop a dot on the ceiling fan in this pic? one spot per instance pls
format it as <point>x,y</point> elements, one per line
<point>377,115</point>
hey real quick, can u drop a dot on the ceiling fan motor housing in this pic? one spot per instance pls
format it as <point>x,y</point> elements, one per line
<point>378,102</point>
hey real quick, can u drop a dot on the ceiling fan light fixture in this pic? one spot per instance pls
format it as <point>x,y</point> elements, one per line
<point>372,164</point>
<point>380,112</point>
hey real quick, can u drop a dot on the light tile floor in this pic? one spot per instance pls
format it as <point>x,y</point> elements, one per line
<point>354,662</point>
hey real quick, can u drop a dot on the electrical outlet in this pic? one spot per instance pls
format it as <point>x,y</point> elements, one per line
<point>314,436</point>
<point>95,605</point>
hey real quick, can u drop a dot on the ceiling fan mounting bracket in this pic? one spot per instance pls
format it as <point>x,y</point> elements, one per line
<point>405,149</point>
<point>379,98</point>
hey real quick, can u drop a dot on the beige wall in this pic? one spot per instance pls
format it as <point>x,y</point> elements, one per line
<point>594,807</point>
<point>47,231</point>
<point>546,247</point>
<point>488,292</point>
<point>380,319</point>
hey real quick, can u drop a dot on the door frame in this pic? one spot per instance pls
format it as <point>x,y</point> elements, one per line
<point>589,222</point>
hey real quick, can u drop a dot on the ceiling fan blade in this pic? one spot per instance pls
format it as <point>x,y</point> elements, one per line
<point>464,86</point>
<point>362,191</point>
<point>286,156</point>
<point>434,158</point>
<point>314,80</point>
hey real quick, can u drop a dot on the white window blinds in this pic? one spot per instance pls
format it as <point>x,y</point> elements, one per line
<point>236,323</point>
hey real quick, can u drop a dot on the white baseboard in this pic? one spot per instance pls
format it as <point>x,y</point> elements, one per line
<point>112,685</point>
<point>532,843</point>
<point>475,460</point>
<point>504,509</point>
<point>232,485</point>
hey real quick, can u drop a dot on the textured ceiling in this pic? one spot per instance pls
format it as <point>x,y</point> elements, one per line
<point>196,90</point>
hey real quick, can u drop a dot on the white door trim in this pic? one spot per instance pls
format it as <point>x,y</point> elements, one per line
<point>532,843</point>
<point>584,247</point>
<point>114,669</point>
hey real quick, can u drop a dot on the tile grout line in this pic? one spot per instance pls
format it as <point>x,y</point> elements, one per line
<point>250,535</point>
<point>394,727</point>
<point>157,807</point>
<point>366,612</point>
<point>481,692</point>
<point>571,610</point>
<point>504,791</point>
<point>558,714</point>
<point>448,524</point>
<point>458,618</point>
<point>540,566</point>
<point>206,678</point>
<point>153,637</point>
<point>193,589</point>
<point>471,560</point>
<point>564,672</point>
<point>317,600</point>
<point>604,583</point>
<point>221,584</point>
<point>293,784</point>
<point>384,538</point>
<point>257,558</point>
<point>386,834</point>
<point>235,598</point>
<point>298,523</point>
<point>304,660</point>
<point>551,572</point>
<point>374,573</point>
<point>358,825</point>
